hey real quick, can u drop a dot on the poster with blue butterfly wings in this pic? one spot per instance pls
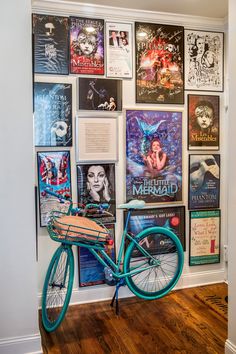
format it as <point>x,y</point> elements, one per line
<point>51,44</point>
<point>154,156</point>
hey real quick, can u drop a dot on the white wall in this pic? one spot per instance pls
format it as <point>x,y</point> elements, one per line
<point>231,342</point>
<point>19,332</point>
<point>192,276</point>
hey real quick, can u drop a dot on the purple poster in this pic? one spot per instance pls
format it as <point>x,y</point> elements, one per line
<point>154,156</point>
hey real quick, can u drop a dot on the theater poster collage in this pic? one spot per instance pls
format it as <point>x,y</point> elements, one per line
<point>80,66</point>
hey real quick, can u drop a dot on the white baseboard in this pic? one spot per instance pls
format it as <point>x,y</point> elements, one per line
<point>230,348</point>
<point>104,292</point>
<point>21,345</point>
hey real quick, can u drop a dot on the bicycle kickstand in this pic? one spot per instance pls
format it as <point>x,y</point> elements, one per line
<point>116,296</point>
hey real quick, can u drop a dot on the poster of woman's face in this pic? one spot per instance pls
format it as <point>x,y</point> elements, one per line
<point>86,46</point>
<point>203,122</point>
<point>96,184</point>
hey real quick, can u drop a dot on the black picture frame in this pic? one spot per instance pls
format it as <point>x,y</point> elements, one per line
<point>204,181</point>
<point>159,55</point>
<point>203,122</point>
<point>204,237</point>
<point>50,44</point>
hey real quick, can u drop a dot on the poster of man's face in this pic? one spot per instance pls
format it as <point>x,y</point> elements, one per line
<point>96,184</point>
<point>100,94</point>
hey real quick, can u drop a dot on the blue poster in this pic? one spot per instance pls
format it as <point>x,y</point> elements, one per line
<point>204,181</point>
<point>52,114</point>
<point>53,174</point>
<point>154,156</point>
<point>91,272</point>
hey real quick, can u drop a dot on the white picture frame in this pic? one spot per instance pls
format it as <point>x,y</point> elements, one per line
<point>96,139</point>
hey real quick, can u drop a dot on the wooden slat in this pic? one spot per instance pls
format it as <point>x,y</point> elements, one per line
<point>176,324</point>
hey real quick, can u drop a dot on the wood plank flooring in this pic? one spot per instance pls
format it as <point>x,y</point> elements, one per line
<point>176,324</point>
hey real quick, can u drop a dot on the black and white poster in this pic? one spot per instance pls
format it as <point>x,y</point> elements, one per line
<point>52,114</point>
<point>100,94</point>
<point>204,60</point>
<point>51,44</point>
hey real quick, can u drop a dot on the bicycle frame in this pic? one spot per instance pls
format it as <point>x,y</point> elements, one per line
<point>115,267</point>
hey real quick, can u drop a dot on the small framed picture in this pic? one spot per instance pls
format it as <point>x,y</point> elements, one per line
<point>203,122</point>
<point>204,60</point>
<point>154,156</point>
<point>86,46</point>
<point>204,181</point>
<point>204,237</point>
<point>96,139</point>
<point>54,107</point>
<point>119,49</point>
<point>100,94</point>
<point>172,218</point>
<point>96,184</point>
<point>91,271</point>
<point>54,173</point>
<point>159,63</point>
<point>50,44</point>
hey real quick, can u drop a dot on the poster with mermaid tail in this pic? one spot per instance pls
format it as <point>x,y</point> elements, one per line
<point>154,156</point>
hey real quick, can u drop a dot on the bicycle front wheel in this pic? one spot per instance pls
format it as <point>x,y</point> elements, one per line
<point>155,259</point>
<point>57,288</point>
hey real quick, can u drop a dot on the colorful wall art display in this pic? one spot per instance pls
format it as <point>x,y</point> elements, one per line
<point>50,44</point>
<point>52,114</point>
<point>54,174</point>
<point>159,63</point>
<point>154,156</point>
<point>86,46</point>
<point>204,60</point>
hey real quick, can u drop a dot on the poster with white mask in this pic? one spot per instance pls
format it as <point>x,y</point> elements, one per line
<point>119,49</point>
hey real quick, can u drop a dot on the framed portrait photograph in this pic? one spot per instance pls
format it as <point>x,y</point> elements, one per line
<point>96,184</point>
<point>119,49</point>
<point>100,94</point>
<point>154,156</point>
<point>54,173</point>
<point>159,63</point>
<point>204,60</point>
<point>52,114</point>
<point>204,181</point>
<point>203,122</point>
<point>172,218</point>
<point>86,46</point>
<point>50,44</point>
<point>96,139</point>
<point>91,272</point>
<point>204,237</point>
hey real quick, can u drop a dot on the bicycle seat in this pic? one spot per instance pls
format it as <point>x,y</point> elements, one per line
<point>133,204</point>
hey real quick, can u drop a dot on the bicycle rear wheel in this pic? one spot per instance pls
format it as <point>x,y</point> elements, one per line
<point>57,287</point>
<point>156,257</point>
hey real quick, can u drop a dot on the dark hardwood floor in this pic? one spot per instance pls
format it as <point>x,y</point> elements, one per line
<point>176,324</point>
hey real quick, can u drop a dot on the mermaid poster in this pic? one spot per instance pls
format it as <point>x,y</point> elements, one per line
<point>154,156</point>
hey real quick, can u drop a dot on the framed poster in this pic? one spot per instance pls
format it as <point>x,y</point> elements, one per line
<point>52,114</point>
<point>50,44</point>
<point>91,272</point>
<point>154,156</point>
<point>203,122</point>
<point>119,49</point>
<point>100,94</point>
<point>96,139</point>
<point>204,237</point>
<point>204,60</point>
<point>159,63</point>
<point>54,173</point>
<point>86,46</point>
<point>204,181</point>
<point>172,218</point>
<point>96,184</point>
